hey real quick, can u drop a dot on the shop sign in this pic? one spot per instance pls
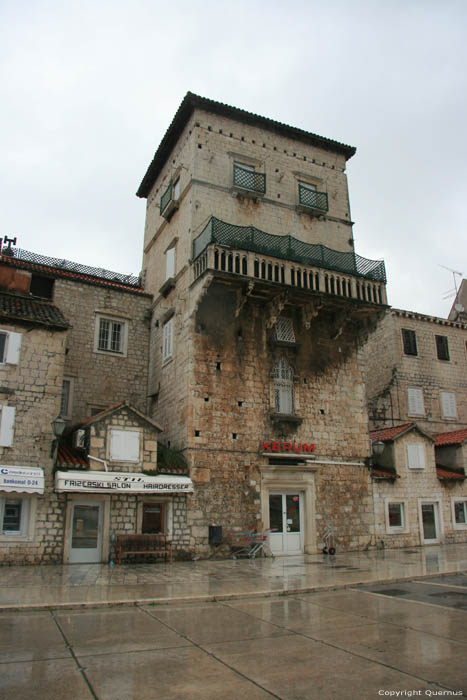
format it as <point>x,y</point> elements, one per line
<point>119,482</point>
<point>21,479</point>
<point>292,447</point>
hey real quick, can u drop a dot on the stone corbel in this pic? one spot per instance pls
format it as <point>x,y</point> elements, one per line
<point>274,308</point>
<point>309,312</point>
<point>242,298</point>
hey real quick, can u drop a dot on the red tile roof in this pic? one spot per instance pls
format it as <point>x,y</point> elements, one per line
<point>455,437</point>
<point>378,473</point>
<point>388,434</point>
<point>17,307</point>
<point>448,475</point>
<point>67,457</point>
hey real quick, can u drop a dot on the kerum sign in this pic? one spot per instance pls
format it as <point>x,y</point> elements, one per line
<point>292,447</point>
<point>120,482</point>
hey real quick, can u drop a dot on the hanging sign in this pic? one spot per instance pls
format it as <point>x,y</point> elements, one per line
<point>21,479</point>
<point>120,482</point>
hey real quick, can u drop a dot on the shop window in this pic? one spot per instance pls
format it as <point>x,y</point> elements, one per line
<point>111,336</point>
<point>282,375</point>
<point>284,331</point>
<point>442,347</point>
<point>124,445</point>
<point>167,340</point>
<point>153,521</point>
<point>7,424</point>
<point>416,406</point>
<point>459,512</point>
<point>14,514</point>
<point>416,456</point>
<point>409,340</point>
<point>10,344</point>
<point>448,404</point>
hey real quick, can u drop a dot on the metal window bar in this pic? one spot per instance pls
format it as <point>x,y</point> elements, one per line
<point>116,337</point>
<point>104,328</point>
<point>287,248</point>
<point>284,330</point>
<point>249,179</point>
<point>312,198</point>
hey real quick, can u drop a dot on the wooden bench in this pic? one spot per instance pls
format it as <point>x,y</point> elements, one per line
<point>157,545</point>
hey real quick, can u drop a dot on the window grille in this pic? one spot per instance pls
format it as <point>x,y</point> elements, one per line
<point>283,374</point>
<point>284,330</point>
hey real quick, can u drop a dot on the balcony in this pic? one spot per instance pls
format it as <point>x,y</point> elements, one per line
<point>169,201</point>
<point>248,182</point>
<point>311,201</point>
<point>249,252</point>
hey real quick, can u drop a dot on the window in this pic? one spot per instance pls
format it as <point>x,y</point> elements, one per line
<point>284,330</point>
<point>10,344</point>
<point>66,400</point>
<point>167,340</point>
<point>170,263</point>
<point>396,515</point>
<point>442,347</point>
<point>310,198</point>
<point>7,423</point>
<point>124,445</point>
<point>416,456</point>
<point>409,340</point>
<point>282,374</point>
<point>448,404</point>
<point>459,512</point>
<point>153,520</point>
<point>42,286</point>
<point>14,514</point>
<point>415,402</point>
<point>176,189</point>
<point>111,336</point>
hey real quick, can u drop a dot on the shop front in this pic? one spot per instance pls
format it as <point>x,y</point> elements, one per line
<point>18,489</point>
<point>102,504</point>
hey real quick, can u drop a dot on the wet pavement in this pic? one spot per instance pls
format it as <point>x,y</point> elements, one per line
<point>296,628</point>
<point>75,585</point>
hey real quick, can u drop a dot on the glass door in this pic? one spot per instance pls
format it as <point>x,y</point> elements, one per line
<point>285,521</point>
<point>430,522</point>
<point>86,532</point>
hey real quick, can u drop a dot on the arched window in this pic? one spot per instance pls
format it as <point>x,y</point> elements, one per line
<point>282,374</point>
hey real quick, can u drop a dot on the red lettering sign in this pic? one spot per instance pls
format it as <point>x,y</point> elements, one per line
<point>270,446</point>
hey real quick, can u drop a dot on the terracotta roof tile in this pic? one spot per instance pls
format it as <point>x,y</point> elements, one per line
<point>22,308</point>
<point>378,473</point>
<point>455,437</point>
<point>448,475</point>
<point>388,434</point>
<point>68,457</point>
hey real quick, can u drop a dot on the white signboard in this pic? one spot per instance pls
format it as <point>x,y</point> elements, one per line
<point>21,479</point>
<point>120,482</point>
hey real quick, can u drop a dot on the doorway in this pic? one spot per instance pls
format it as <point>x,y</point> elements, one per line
<point>430,522</point>
<point>86,532</point>
<point>286,523</point>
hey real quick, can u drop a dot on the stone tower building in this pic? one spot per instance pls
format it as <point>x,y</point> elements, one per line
<point>261,305</point>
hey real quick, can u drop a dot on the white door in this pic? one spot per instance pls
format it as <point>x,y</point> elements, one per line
<point>86,532</point>
<point>430,522</point>
<point>286,523</point>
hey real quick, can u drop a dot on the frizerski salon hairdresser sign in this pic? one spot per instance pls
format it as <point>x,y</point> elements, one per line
<point>120,482</point>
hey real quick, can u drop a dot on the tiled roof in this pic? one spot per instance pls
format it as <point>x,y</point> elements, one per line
<point>22,308</point>
<point>53,267</point>
<point>448,475</point>
<point>455,437</point>
<point>388,434</point>
<point>68,457</point>
<point>192,102</point>
<point>116,407</point>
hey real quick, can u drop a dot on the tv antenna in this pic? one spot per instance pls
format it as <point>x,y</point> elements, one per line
<point>453,292</point>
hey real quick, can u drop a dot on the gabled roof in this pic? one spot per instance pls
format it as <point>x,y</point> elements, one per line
<point>192,102</point>
<point>115,409</point>
<point>445,474</point>
<point>395,432</point>
<point>455,437</point>
<point>17,307</point>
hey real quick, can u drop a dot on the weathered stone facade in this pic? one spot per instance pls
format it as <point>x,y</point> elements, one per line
<point>214,345</point>
<point>392,374</point>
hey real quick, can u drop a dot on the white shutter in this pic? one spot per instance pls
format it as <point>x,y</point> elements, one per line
<point>415,400</point>
<point>12,348</point>
<point>448,404</point>
<point>7,422</point>
<point>167,340</point>
<point>416,456</point>
<point>124,445</point>
<point>170,263</point>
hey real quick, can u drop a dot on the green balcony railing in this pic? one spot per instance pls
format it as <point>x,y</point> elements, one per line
<point>166,197</point>
<point>287,248</point>
<point>250,180</point>
<point>312,198</point>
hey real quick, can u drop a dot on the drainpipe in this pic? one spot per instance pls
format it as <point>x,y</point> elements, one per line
<point>97,459</point>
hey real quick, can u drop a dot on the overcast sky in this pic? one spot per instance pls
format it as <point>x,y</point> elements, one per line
<point>89,88</point>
